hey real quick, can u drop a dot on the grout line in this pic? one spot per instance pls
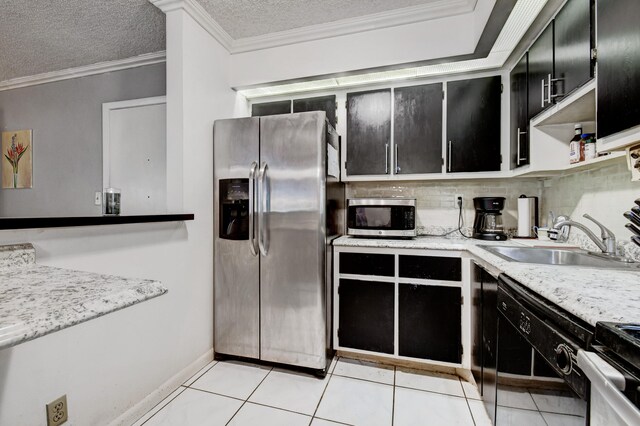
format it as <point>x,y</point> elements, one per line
<point>430,391</point>
<point>322,396</point>
<point>280,408</point>
<point>393,405</point>
<point>332,421</point>
<point>362,380</point>
<point>198,374</point>
<point>245,401</point>
<point>162,408</point>
<point>216,393</point>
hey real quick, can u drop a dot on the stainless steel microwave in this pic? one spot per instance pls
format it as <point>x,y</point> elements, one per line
<point>381,217</point>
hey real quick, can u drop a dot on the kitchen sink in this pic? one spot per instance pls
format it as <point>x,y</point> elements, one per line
<point>565,257</point>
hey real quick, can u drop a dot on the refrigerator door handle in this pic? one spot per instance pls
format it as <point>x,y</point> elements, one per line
<point>252,208</point>
<point>263,203</point>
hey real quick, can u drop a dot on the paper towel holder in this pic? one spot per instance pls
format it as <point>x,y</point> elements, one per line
<point>528,216</point>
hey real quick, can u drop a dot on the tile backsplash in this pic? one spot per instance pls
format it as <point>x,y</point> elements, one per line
<point>436,204</point>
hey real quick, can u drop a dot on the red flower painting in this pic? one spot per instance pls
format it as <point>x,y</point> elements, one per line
<point>13,155</point>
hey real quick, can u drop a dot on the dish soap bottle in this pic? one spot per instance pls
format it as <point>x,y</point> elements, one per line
<point>576,146</point>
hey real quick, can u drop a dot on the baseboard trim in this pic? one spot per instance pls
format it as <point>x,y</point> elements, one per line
<point>134,413</point>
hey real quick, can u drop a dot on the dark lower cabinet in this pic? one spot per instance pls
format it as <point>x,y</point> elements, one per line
<point>473,125</point>
<point>430,267</point>
<point>369,132</point>
<point>367,264</point>
<point>366,315</point>
<point>429,322</point>
<point>484,338</point>
<point>271,108</point>
<point>618,91</point>
<point>519,114</point>
<point>540,71</point>
<point>417,129</point>
<point>572,44</point>
<point>320,103</point>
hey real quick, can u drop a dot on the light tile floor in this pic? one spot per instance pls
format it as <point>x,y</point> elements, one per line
<point>354,393</point>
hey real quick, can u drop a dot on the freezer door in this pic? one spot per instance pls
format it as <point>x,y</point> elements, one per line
<point>292,239</point>
<point>237,268</point>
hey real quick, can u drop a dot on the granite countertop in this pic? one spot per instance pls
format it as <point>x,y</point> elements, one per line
<point>36,300</point>
<point>591,294</point>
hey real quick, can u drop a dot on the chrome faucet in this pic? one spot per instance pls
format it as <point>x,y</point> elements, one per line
<point>607,242</point>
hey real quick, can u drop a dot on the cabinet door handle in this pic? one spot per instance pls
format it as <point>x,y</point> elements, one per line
<point>449,157</point>
<point>520,158</point>
<point>518,149</point>
<point>386,158</point>
<point>542,90</point>
<point>397,167</point>
<point>549,90</point>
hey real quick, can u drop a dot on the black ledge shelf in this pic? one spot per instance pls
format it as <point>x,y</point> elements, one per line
<point>71,221</point>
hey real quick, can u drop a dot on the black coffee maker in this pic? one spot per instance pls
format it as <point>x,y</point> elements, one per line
<point>488,222</point>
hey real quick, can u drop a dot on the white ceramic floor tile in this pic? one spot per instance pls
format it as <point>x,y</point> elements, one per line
<point>554,419</point>
<point>291,391</point>
<point>414,407</point>
<point>232,379</point>
<point>196,408</point>
<point>357,402</point>
<point>429,381</point>
<point>199,373</point>
<point>321,422</point>
<point>364,370</point>
<point>515,398</point>
<point>518,417</point>
<point>470,390</point>
<point>479,413</point>
<point>559,402</point>
<point>158,407</point>
<point>253,414</point>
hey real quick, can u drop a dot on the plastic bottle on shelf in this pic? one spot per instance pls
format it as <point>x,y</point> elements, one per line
<point>589,140</point>
<point>576,146</point>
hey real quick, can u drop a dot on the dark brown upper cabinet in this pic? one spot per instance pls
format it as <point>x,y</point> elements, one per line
<point>541,72</point>
<point>417,129</point>
<point>473,125</point>
<point>618,106</point>
<point>519,114</point>
<point>572,44</point>
<point>271,108</point>
<point>321,103</point>
<point>369,132</point>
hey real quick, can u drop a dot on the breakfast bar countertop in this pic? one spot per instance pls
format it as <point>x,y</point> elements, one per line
<point>36,300</point>
<point>590,294</point>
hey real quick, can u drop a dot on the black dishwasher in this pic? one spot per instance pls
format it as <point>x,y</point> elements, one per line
<point>538,380</point>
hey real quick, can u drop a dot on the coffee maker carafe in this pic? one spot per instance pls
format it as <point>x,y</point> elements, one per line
<point>488,222</point>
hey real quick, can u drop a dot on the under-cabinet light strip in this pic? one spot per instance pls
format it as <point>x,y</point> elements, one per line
<point>520,19</point>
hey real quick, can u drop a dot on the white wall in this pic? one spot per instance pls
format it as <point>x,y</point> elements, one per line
<point>108,365</point>
<point>437,38</point>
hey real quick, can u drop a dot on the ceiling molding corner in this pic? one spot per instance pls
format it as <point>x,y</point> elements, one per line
<point>83,71</point>
<point>390,18</point>
<point>200,15</point>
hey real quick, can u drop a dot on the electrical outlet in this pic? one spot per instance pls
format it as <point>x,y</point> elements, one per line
<point>57,411</point>
<point>455,200</point>
<point>98,199</point>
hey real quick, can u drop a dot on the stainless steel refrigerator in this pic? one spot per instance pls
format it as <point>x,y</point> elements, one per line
<point>278,204</point>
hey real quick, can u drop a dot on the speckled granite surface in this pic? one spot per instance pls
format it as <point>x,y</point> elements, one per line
<point>37,300</point>
<point>589,293</point>
<point>17,255</point>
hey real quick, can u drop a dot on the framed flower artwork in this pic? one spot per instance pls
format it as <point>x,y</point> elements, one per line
<point>17,159</point>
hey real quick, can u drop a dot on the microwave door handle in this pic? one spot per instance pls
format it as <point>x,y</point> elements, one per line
<point>263,204</point>
<point>252,207</point>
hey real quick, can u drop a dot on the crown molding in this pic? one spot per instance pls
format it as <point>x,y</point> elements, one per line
<point>200,15</point>
<point>83,71</point>
<point>408,15</point>
<point>376,21</point>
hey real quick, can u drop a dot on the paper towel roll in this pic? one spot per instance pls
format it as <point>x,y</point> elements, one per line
<point>526,216</point>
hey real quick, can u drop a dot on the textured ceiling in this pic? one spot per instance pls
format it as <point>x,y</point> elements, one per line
<point>38,36</point>
<point>247,18</point>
